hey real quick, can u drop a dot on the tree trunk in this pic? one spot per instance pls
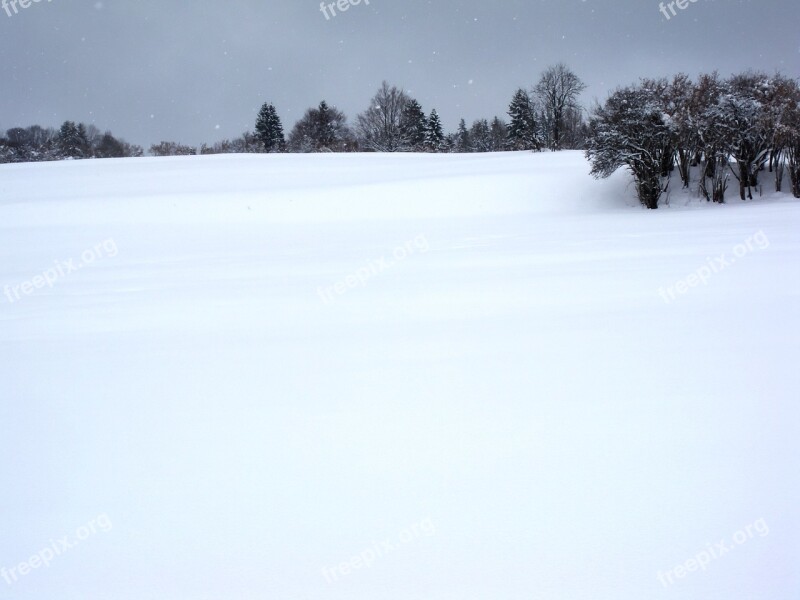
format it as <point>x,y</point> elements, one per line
<point>684,167</point>
<point>648,188</point>
<point>556,136</point>
<point>720,185</point>
<point>715,170</point>
<point>745,181</point>
<point>794,170</point>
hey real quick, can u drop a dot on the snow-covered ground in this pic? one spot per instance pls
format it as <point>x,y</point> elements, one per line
<point>393,377</point>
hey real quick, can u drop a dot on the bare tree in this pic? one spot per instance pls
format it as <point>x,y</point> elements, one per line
<point>679,105</point>
<point>789,132</point>
<point>742,110</point>
<point>631,130</point>
<point>779,97</point>
<point>713,137</point>
<point>557,91</point>
<point>380,127</point>
<point>172,149</point>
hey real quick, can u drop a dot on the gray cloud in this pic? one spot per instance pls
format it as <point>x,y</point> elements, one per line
<point>193,72</point>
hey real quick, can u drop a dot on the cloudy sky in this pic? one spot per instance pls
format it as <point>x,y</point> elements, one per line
<point>198,71</point>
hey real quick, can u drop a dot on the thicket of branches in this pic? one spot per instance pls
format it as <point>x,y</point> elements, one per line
<point>72,140</point>
<point>714,131</point>
<point>545,116</point>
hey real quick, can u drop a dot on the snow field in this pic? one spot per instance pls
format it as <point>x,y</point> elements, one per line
<point>520,386</point>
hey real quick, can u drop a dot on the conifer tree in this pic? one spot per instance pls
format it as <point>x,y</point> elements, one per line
<point>434,136</point>
<point>72,141</point>
<point>523,131</point>
<point>480,136</point>
<point>325,127</point>
<point>269,129</point>
<point>463,141</point>
<point>413,126</point>
<point>499,135</point>
<point>321,129</point>
<point>83,141</point>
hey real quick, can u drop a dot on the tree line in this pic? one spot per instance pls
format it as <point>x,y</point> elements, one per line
<point>713,131</point>
<point>548,116</point>
<point>72,140</point>
<point>545,117</point>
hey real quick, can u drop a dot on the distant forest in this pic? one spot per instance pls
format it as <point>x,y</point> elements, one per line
<point>544,117</point>
<point>739,127</point>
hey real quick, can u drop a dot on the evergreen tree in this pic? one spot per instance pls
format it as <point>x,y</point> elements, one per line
<point>480,136</point>
<point>463,141</point>
<point>523,131</point>
<point>269,129</point>
<point>83,140</point>
<point>321,129</point>
<point>109,147</point>
<point>434,136</point>
<point>413,126</point>
<point>325,127</point>
<point>499,135</point>
<point>72,141</point>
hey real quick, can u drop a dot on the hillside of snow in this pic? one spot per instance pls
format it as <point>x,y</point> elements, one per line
<point>432,377</point>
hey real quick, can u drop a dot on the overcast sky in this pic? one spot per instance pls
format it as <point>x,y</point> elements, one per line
<point>198,71</point>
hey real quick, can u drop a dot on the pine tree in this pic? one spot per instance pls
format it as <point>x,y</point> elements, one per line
<point>523,131</point>
<point>325,134</point>
<point>72,141</point>
<point>499,135</point>
<point>83,141</point>
<point>463,141</point>
<point>109,147</point>
<point>413,126</point>
<point>480,136</point>
<point>434,136</point>
<point>321,129</point>
<point>269,129</point>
